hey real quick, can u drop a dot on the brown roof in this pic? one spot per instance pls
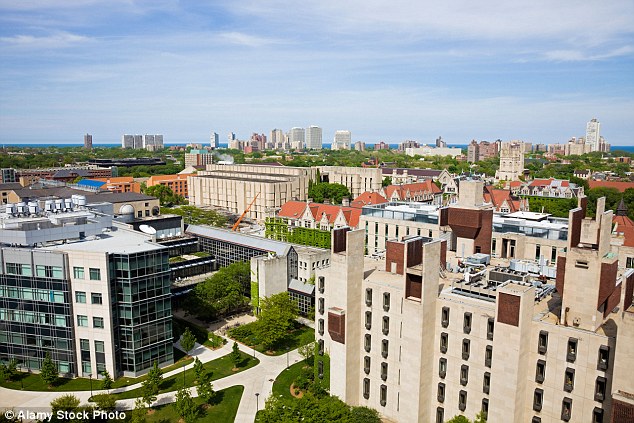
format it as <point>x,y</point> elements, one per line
<point>621,186</point>
<point>407,191</point>
<point>368,198</point>
<point>295,210</point>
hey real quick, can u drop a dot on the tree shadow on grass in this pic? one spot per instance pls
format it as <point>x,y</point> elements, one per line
<point>217,398</point>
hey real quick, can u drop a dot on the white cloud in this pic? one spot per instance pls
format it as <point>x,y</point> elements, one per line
<point>56,40</point>
<point>241,38</point>
<point>578,55</point>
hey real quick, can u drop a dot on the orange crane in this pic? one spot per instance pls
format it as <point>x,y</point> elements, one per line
<point>235,225</point>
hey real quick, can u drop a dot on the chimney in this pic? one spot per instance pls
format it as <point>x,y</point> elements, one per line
<point>345,201</point>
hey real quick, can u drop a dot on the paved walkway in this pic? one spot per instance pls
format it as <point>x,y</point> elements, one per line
<point>258,379</point>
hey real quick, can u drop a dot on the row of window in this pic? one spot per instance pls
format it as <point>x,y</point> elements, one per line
<point>572,348</point>
<point>467,321</point>
<point>366,367</point>
<point>34,294</point>
<point>382,391</point>
<point>33,317</point>
<point>367,345</point>
<point>466,348</point>
<point>84,345</point>
<point>95,297</point>
<point>41,271</point>
<point>386,299</point>
<point>34,341</point>
<point>97,322</point>
<point>94,274</point>
<point>385,325</point>
<point>464,375</point>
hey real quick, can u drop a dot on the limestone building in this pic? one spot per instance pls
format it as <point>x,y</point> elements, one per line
<point>511,161</point>
<point>515,349</point>
<point>357,179</point>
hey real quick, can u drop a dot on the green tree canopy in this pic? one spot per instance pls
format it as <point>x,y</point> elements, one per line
<point>222,293</point>
<point>48,371</point>
<point>185,405</point>
<point>325,191</point>
<point>276,318</point>
<point>188,340</point>
<point>165,194</point>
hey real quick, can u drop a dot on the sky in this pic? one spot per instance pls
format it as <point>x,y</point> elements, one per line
<point>389,71</point>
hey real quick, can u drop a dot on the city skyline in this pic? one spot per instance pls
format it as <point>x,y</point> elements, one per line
<point>536,72</point>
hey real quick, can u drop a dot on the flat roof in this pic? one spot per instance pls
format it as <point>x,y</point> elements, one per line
<point>118,240</point>
<point>528,215</point>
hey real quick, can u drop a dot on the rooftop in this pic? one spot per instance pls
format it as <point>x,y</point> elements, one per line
<point>259,243</point>
<point>117,240</point>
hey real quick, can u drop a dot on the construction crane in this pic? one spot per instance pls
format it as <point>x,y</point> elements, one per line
<point>235,225</point>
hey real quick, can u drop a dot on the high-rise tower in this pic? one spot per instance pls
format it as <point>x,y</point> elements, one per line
<point>313,137</point>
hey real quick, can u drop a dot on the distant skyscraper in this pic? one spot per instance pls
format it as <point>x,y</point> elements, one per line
<point>313,138</point>
<point>88,141</point>
<point>297,137</point>
<point>593,134</point>
<point>214,140</point>
<point>148,142</point>
<point>231,136</point>
<point>342,141</point>
<point>277,138</point>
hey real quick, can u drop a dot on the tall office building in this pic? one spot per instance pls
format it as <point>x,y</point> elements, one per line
<point>88,141</point>
<point>313,138</point>
<point>297,137</point>
<point>593,134</point>
<point>147,142</point>
<point>214,140</point>
<point>83,288</point>
<point>277,138</point>
<point>342,140</point>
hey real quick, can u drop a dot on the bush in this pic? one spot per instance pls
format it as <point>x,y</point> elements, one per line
<point>216,341</point>
<point>244,334</point>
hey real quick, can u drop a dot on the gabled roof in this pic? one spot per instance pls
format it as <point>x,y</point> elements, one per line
<point>498,196</point>
<point>368,198</point>
<point>296,209</point>
<point>407,191</point>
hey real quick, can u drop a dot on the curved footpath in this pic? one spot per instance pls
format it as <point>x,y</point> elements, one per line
<point>258,379</point>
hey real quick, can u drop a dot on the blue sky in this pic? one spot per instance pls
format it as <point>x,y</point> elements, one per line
<point>385,70</point>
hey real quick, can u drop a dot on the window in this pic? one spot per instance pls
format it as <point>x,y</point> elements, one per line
<point>99,346</point>
<point>82,321</point>
<point>599,389</point>
<point>445,317</point>
<point>384,347</point>
<point>569,379</point>
<point>78,272</point>
<point>321,326</point>
<point>488,356</point>
<point>581,264</point>
<point>571,356</point>
<point>320,345</point>
<point>366,388</point>
<point>366,364</point>
<point>597,415</point>
<point>386,301</point>
<point>464,375</point>
<point>384,371</point>
<point>368,320</point>
<point>321,283</point>
<point>566,409</point>
<point>604,357</point>
<point>444,342</point>
<point>95,298</point>
<point>80,297</point>
<point>383,395</point>
<point>466,324</point>
<point>321,306</point>
<point>386,325</point>
<point>462,400</point>
<point>320,369</point>
<point>440,415</point>
<point>485,407</point>
<point>486,383</point>
<point>538,399</point>
<point>367,342</point>
<point>536,419</point>
<point>84,344</point>
<point>442,367</point>
<point>490,327</point>
<point>97,322</point>
<point>441,392</point>
<point>466,347</point>
<point>368,297</point>
<point>629,262</point>
<point>540,371</point>
<point>542,343</point>
<point>95,274</point>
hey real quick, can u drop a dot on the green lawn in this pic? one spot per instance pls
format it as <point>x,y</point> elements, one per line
<point>217,369</point>
<point>33,381</point>
<point>292,341</point>
<point>224,408</point>
<point>282,385</point>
